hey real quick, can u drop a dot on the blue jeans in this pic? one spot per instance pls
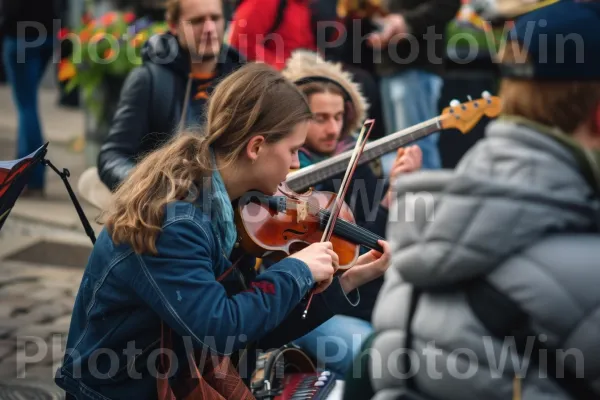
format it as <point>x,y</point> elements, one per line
<point>336,342</point>
<point>409,98</point>
<point>25,69</point>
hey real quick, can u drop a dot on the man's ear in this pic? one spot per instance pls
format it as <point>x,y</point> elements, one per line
<point>254,146</point>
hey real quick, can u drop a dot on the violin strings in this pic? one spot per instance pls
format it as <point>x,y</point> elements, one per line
<point>316,209</point>
<point>345,227</point>
<point>356,231</point>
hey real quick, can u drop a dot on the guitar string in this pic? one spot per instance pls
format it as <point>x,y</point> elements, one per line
<point>373,150</point>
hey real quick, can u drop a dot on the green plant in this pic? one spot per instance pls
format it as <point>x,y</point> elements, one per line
<point>108,46</point>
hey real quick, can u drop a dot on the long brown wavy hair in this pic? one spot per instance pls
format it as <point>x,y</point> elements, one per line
<point>254,100</point>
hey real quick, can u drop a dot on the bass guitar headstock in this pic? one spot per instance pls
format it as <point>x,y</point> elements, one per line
<point>464,116</point>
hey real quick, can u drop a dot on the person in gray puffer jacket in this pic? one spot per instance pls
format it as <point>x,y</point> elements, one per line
<point>521,212</point>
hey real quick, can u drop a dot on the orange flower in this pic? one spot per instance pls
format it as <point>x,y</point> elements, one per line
<point>98,37</point>
<point>66,70</point>
<point>109,53</point>
<point>108,18</point>
<point>85,36</point>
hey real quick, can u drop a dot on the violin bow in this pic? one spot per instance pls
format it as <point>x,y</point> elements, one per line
<point>337,205</point>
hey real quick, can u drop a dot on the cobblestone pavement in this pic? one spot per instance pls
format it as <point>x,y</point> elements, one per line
<point>40,271</point>
<point>35,311</point>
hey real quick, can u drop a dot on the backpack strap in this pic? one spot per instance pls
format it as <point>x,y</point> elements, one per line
<point>279,16</point>
<point>282,5</point>
<point>504,318</point>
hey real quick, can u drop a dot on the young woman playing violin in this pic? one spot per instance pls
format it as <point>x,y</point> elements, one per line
<point>339,109</point>
<point>163,259</point>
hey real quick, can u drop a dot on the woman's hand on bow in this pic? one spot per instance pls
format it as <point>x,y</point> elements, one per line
<point>368,267</point>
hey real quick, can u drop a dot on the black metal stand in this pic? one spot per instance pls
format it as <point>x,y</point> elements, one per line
<point>64,175</point>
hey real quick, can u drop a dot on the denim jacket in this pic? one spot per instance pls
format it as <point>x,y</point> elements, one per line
<point>114,337</point>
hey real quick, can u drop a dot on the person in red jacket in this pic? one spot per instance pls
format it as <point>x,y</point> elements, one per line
<point>270,30</point>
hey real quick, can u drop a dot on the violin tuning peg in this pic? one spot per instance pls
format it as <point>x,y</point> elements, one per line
<point>454,103</point>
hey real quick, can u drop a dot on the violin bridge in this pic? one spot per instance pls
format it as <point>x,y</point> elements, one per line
<point>301,211</point>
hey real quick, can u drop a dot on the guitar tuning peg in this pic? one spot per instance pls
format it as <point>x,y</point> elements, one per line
<point>469,97</point>
<point>454,103</point>
<point>486,95</point>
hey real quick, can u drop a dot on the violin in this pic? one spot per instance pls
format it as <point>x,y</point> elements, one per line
<point>277,226</point>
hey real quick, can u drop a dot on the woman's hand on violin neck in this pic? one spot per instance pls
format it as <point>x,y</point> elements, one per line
<point>368,267</point>
<point>321,260</point>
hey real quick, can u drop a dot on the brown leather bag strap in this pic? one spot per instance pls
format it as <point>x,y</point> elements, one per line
<point>217,379</point>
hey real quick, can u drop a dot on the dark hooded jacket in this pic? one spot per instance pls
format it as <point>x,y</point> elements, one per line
<point>152,104</point>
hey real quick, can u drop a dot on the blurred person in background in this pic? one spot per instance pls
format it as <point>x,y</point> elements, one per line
<point>167,93</point>
<point>28,31</point>
<point>270,31</point>
<point>410,39</point>
<point>505,252</point>
<point>186,62</point>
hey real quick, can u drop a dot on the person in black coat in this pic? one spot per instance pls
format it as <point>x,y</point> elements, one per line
<point>170,89</point>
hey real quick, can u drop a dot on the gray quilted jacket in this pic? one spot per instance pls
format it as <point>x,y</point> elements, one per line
<point>518,210</point>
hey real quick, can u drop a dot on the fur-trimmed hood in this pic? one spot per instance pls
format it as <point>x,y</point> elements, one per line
<point>304,63</point>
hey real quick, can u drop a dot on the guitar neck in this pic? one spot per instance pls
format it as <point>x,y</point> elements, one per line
<point>313,174</point>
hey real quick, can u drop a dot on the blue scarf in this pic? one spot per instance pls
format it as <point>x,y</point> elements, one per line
<point>222,216</point>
